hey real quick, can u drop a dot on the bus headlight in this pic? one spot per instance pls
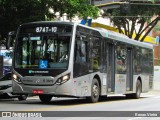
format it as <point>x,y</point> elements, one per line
<point>16,78</point>
<point>63,79</point>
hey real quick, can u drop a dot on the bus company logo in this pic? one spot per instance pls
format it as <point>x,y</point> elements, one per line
<point>20,114</point>
<point>38,80</point>
<point>6,114</point>
<point>30,71</point>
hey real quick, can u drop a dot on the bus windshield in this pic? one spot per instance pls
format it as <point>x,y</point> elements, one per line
<point>42,51</point>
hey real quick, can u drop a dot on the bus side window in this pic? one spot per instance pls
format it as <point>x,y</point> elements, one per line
<point>137,61</point>
<point>121,59</point>
<point>81,51</point>
<point>95,53</point>
<point>80,57</point>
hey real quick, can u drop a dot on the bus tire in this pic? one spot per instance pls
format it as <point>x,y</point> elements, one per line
<point>22,97</point>
<point>95,91</point>
<point>138,91</point>
<point>45,98</point>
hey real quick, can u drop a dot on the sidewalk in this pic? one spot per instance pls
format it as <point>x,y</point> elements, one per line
<point>156,85</point>
<point>151,93</point>
<point>157,92</point>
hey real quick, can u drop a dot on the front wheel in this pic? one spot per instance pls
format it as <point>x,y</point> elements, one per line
<point>22,97</point>
<point>95,91</point>
<point>45,98</point>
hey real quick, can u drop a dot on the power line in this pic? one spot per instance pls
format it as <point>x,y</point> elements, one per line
<point>153,4</point>
<point>133,16</point>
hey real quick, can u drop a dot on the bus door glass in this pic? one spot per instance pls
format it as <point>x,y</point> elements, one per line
<point>81,56</point>
<point>129,60</point>
<point>95,53</point>
<point>121,68</point>
<point>110,67</point>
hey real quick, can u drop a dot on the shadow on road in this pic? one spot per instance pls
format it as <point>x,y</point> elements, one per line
<point>65,101</point>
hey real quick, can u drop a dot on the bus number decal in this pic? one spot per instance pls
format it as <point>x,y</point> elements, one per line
<point>46,29</point>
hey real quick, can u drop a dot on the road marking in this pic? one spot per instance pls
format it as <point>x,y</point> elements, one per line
<point>136,118</point>
<point>80,104</point>
<point>156,97</point>
<point>62,107</point>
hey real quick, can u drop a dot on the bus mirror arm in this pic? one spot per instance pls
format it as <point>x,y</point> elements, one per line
<point>10,39</point>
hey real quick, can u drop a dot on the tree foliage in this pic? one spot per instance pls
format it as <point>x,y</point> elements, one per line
<point>74,7</point>
<point>126,21</point>
<point>156,29</point>
<point>15,12</point>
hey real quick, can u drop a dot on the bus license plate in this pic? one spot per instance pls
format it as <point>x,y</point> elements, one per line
<point>38,91</point>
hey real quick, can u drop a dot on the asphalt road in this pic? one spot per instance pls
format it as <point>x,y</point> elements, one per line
<point>113,106</point>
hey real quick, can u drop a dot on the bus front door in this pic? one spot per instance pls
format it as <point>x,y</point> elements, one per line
<point>110,67</point>
<point>129,79</point>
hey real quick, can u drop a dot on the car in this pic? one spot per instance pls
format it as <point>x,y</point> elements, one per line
<point>6,89</point>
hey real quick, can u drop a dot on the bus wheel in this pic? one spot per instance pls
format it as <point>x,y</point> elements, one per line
<point>45,98</point>
<point>138,91</point>
<point>22,97</point>
<point>95,90</point>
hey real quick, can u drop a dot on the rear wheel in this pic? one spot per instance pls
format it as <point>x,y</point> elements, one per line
<point>45,98</point>
<point>95,91</point>
<point>138,91</point>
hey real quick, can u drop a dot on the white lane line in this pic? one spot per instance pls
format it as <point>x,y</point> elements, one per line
<point>135,118</point>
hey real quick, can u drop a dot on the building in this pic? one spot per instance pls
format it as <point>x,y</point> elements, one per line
<point>111,4</point>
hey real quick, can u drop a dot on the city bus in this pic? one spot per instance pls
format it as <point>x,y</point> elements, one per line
<point>6,63</point>
<point>65,59</point>
<point>5,74</point>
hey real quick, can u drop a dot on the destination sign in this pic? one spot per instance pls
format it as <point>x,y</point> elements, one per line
<point>46,29</point>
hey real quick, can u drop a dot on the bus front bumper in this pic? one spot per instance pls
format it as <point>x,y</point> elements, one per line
<point>63,89</point>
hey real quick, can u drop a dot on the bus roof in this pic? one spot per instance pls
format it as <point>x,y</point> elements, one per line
<point>47,22</point>
<point>105,33</point>
<point>119,37</point>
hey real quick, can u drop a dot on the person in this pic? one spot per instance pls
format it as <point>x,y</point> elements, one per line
<point>64,57</point>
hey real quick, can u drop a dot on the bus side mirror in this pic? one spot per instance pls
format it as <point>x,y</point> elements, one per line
<point>10,40</point>
<point>82,49</point>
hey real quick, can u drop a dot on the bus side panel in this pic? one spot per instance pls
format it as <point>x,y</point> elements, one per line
<point>78,87</point>
<point>82,86</point>
<point>120,83</point>
<point>145,83</point>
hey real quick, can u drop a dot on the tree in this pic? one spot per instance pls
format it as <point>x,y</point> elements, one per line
<point>138,14</point>
<point>15,12</point>
<point>74,7</point>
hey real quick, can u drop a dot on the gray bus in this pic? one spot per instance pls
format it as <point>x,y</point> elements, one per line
<point>72,60</point>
